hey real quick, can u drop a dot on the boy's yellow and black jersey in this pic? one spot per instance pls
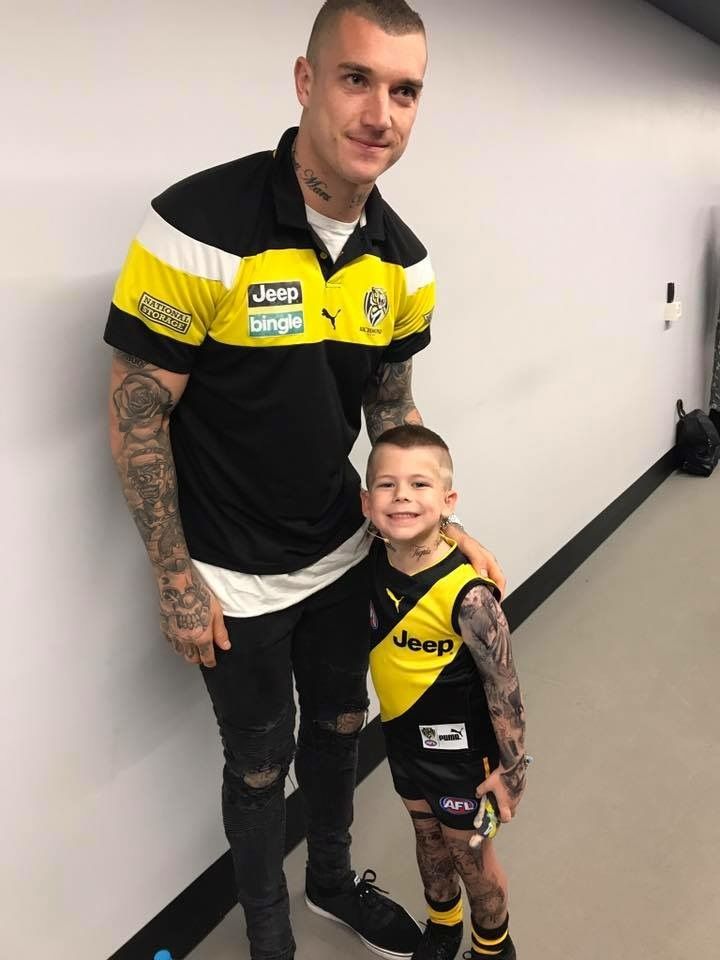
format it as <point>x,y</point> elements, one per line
<point>425,678</point>
<point>226,281</point>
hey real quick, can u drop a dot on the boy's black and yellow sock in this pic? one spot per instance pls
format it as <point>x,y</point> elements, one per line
<point>444,931</point>
<point>446,913</point>
<point>492,943</point>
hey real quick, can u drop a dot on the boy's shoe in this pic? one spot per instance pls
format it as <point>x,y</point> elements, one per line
<point>439,942</point>
<point>508,952</point>
<point>386,928</point>
<point>715,417</point>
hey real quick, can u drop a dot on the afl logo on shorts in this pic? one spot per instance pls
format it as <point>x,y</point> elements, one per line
<point>457,806</point>
<point>376,305</point>
<point>373,617</point>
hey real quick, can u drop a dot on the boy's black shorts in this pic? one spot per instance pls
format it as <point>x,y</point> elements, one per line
<point>447,782</point>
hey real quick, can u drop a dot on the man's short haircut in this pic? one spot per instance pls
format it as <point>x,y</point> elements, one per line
<point>393,16</point>
<point>408,436</point>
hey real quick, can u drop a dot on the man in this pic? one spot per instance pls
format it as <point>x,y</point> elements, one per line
<point>275,295</point>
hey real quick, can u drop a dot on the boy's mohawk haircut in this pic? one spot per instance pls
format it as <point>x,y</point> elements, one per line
<point>395,17</point>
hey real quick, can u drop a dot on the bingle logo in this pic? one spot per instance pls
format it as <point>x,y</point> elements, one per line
<point>440,647</point>
<point>276,324</point>
<point>458,806</point>
<point>271,294</point>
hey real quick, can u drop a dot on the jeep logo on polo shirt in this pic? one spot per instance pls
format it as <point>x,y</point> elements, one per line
<point>283,294</point>
<point>266,297</point>
<point>439,647</point>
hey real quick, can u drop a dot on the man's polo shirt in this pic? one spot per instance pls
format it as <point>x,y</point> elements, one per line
<point>226,281</point>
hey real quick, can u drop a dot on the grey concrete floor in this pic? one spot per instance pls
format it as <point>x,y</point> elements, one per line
<point>616,849</point>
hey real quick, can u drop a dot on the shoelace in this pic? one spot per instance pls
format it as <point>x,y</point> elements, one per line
<point>369,891</point>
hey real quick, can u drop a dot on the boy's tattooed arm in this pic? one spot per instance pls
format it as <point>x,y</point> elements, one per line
<point>388,400</point>
<point>486,634</point>
<point>141,399</point>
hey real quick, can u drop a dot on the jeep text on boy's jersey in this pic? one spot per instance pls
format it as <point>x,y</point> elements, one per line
<point>225,281</point>
<point>415,644</point>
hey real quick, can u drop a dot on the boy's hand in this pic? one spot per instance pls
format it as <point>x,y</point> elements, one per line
<point>507,787</point>
<point>479,556</point>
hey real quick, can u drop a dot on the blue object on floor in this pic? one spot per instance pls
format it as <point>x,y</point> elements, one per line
<point>163,955</point>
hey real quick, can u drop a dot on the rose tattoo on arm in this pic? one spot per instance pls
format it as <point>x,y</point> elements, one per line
<point>142,406</point>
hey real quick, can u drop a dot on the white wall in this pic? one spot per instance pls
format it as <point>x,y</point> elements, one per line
<point>564,168</point>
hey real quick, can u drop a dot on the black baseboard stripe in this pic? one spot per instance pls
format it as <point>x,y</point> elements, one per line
<point>185,922</point>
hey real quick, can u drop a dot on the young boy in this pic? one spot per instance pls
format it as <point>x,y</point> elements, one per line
<point>450,703</point>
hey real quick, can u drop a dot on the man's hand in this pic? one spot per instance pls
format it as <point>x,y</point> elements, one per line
<point>479,556</point>
<point>507,787</point>
<point>190,616</point>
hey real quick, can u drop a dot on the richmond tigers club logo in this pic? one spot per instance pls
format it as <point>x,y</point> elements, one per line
<point>429,735</point>
<point>376,305</point>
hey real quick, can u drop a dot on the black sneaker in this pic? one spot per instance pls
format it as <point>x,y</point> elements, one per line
<point>439,942</point>
<point>386,928</point>
<point>508,952</point>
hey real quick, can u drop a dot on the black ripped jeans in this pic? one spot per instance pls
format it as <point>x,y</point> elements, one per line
<point>324,642</point>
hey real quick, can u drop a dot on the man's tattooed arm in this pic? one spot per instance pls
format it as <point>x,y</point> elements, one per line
<point>486,634</point>
<point>141,399</point>
<point>388,400</point>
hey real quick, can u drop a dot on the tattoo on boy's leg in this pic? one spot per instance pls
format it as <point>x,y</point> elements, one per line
<point>435,863</point>
<point>488,898</point>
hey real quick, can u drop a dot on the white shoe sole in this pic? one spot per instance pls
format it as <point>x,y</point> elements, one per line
<point>373,948</point>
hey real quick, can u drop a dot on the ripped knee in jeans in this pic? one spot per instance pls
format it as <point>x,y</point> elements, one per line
<point>263,777</point>
<point>345,723</point>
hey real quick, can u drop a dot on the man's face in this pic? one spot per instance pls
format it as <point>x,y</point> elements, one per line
<point>361,97</point>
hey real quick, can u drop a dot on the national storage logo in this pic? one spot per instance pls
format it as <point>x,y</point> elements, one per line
<point>160,312</point>
<point>281,297</point>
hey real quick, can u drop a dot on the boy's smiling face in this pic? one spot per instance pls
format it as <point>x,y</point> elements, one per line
<point>408,492</point>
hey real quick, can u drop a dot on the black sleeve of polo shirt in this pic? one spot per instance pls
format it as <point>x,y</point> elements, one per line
<point>397,351</point>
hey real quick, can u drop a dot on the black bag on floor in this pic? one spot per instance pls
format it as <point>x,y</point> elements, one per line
<point>697,442</point>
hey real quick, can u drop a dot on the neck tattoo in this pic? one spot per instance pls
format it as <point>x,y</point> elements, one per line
<point>420,552</point>
<point>359,199</point>
<point>313,183</point>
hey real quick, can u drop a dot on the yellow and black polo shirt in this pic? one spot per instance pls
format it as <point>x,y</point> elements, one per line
<point>431,694</point>
<point>226,281</point>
